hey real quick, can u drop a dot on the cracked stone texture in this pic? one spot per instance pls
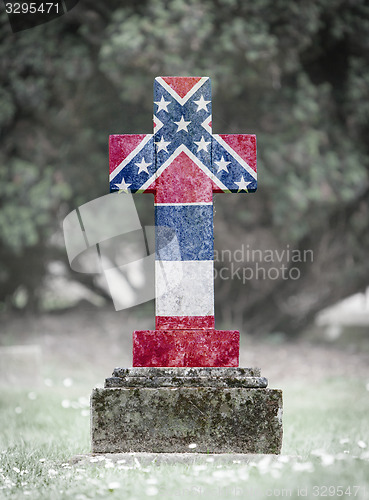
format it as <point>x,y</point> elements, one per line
<point>188,371</point>
<point>185,376</point>
<point>255,382</point>
<point>168,420</point>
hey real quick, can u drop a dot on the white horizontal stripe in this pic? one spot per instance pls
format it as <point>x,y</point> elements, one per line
<point>193,294</point>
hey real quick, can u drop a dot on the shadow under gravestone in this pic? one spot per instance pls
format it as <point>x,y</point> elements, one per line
<point>185,391</point>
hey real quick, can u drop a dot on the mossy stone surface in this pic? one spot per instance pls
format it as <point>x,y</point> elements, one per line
<point>168,420</point>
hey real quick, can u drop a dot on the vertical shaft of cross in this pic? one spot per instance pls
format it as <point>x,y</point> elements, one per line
<point>184,265</point>
<point>183,216</point>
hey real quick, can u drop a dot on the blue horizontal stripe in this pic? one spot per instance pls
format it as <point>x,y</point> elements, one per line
<point>184,232</point>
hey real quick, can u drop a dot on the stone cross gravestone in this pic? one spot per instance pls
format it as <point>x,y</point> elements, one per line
<point>183,164</point>
<point>185,385</point>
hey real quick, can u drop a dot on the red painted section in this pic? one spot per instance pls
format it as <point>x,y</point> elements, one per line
<point>183,182</point>
<point>186,348</point>
<point>244,145</point>
<point>181,85</point>
<point>184,322</point>
<point>120,146</point>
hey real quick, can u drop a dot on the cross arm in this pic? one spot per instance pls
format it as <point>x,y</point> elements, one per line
<point>234,163</point>
<point>132,163</point>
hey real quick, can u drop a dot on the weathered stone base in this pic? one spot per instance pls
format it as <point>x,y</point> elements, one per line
<point>221,414</point>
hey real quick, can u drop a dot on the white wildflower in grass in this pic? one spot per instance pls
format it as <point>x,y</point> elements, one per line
<point>114,485</point>
<point>344,440</point>
<point>192,446</point>
<point>52,472</point>
<point>18,410</point>
<point>361,444</point>
<point>264,464</point>
<point>318,453</point>
<point>223,474</point>
<point>94,459</point>
<point>42,460</point>
<point>151,491</point>
<point>199,467</point>
<point>8,483</point>
<point>84,402</point>
<point>67,382</point>
<point>275,473</point>
<point>109,465</point>
<point>327,460</point>
<point>15,469</point>
<point>122,461</point>
<point>277,465</point>
<point>65,403</point>
<point>284,459</point>
<point>303,467</point>
<point>243,474</point>
<point>341,456</point>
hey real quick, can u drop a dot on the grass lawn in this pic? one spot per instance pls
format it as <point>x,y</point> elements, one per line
<point>325,451</point>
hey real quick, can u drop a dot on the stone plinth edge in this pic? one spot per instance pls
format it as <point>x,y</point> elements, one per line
<point>186,377</point>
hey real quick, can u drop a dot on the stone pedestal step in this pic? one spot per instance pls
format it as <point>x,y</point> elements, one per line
<point>186,371</point>
<point>250,382</point>
<point>186,377</point>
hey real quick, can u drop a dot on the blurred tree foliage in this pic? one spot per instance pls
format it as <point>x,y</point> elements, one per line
<point>294,73</point>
